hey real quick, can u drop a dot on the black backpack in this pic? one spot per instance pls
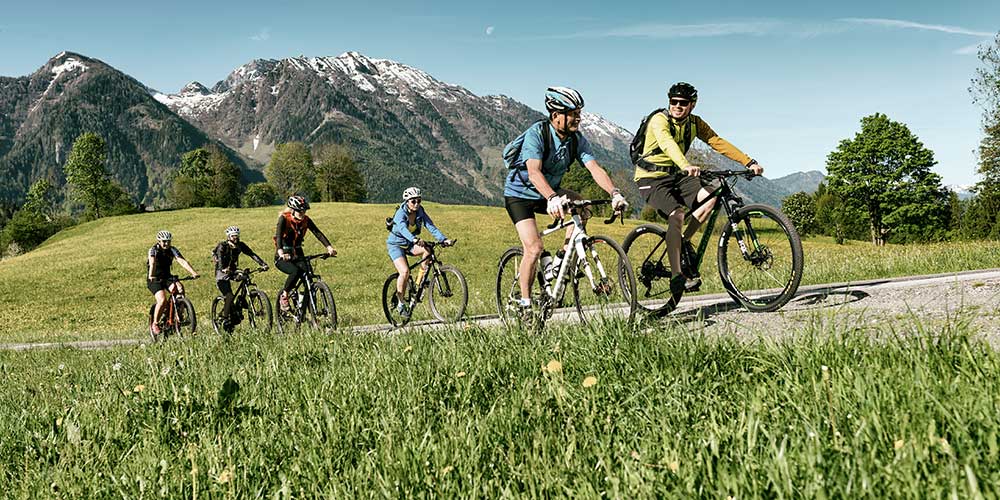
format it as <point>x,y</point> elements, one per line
<point>635,148</point>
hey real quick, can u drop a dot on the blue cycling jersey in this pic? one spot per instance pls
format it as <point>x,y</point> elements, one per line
<point>554,167</point>
<point>402,235</point>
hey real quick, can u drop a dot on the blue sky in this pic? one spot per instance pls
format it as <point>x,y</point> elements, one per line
<point>784,81</point>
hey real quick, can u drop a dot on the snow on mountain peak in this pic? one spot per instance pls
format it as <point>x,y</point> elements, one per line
<point>191,100</point>
<point>594,125</point>
<point>70,64</point>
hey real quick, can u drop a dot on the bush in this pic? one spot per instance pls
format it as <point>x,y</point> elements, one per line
<point>260,194</point>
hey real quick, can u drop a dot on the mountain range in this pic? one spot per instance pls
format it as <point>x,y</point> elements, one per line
<point>404,126</point>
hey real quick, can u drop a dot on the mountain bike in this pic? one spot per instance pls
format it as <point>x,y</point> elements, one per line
<point>759,253</point>
<point>595,267</point>
<point>449,293</point>
<point>246,297</point>
<point>178,312</point>
<point>311,300</point>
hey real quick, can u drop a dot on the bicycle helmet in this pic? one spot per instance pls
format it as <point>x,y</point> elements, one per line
<point>683,90</point>
<point>163,236</point>
<point>562,99</point>
<point>411,192</point>
<point>299,203</point>
<point>232,231</point>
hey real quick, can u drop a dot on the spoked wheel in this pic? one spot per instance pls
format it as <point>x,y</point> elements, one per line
<point>508,293</point>
<point>187,321</point>
<point>217,319</point>
<point>287,321</point>
<point>324,314</point>
<point>646,247</point>
<point>603,282</point>
<point>259,311</point>
<point>768,276</point>
<point>390,302</point>
<point>449,294</point>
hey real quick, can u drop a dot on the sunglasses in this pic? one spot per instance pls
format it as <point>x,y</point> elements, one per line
<point>679,102</point>
<point>415,201</point>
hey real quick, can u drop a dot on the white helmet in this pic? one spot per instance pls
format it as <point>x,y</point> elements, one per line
<point>164,236</point>
<point>411,192</point>
<point>562,99</point>
<point>232,231</point>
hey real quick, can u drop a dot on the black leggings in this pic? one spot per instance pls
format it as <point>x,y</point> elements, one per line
<point>226,287</point>
<point>294,269</point>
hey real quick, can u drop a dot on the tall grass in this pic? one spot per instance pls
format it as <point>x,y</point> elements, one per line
<point>89,281</point>
<point>844,408</point>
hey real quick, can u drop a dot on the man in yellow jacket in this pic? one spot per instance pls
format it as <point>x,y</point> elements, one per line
<point>669,182</point>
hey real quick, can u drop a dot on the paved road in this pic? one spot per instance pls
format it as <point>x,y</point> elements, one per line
<point>934,296</point>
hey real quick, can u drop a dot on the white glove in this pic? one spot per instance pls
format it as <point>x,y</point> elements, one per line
<point>618,203</point>
<point>555,206</point>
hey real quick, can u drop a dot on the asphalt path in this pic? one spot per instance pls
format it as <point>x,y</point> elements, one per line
<point>866,288</point>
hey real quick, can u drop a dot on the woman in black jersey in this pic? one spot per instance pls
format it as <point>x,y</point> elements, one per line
<point>291,230</point>
<point>161,256</point>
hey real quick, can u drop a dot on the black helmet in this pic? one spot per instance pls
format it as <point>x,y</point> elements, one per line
<point>683,90</point>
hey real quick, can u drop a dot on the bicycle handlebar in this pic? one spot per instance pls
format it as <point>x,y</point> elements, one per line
<point>318,256</point>
<point>721,174</point>
<point>578,204</point>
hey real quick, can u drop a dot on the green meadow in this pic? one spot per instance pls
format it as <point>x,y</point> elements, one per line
<point>88,282</point>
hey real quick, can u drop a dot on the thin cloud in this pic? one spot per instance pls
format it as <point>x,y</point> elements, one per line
<point>263,35</point>
<point>968,50</point>
<point>665,31</point>
<point>898,23</point>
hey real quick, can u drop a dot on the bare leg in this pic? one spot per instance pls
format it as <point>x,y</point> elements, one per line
<point>699,216</point>
<point>531,242</point>
<point>161,298</point>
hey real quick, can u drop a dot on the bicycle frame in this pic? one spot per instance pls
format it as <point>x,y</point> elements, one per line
<point>307,279</point>
<point>731,203</point>
<point>576,249</point>
<point>432,270</point>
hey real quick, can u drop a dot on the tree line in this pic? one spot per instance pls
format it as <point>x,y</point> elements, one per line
<point>205,177</point>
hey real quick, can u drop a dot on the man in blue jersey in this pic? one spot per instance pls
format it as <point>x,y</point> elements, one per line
<point>532,185</point>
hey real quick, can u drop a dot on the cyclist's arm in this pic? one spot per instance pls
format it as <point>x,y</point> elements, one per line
<point>706,134</point>
<point>184,263</point>
<point>660,128</point>
<point>537,178</point>
<point>399,226</point>
<point>247,250</point>
<point>152,265</point>
<point>279,231</point>
<point>319,234</point>
<point>438,235</point>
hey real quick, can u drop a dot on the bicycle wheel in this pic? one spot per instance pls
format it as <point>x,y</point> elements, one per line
<point>259,311</point>
<point>603,282</point>
<point>646,248</point>
<point>217,314</point>
<point>449,294</point>
<point>187,320</point>
<point>768,276</point>
<point>390,302</point>
<point>508,292</point>
<point>324,314</point>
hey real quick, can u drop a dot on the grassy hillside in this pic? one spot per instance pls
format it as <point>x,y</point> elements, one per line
<point>89,281</point>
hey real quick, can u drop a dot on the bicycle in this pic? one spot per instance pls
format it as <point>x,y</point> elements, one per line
<point>445,282</point>
<point>246,297</point>
<point>596,267</point>
<point>314,302</point>
<point>178,313</point>
<point>759,253</point>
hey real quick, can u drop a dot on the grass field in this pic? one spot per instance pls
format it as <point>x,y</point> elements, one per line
<point>88,282</point>
<point>845,408</point>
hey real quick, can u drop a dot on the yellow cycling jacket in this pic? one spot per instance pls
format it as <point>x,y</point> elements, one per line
<point>673,146</point>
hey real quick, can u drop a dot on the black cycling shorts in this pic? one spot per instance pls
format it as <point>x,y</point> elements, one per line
<point>669,193</point>
<point>520,209</point>
<point>156,284</point>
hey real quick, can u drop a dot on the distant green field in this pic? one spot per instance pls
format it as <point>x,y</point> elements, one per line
<point>88,282</point>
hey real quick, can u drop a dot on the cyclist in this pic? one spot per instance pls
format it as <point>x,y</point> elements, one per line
<point>668,181</point>
<point>226,257</point>
<point>532,187</point>
<point>161,256</point>
<point>291,230</point>
<point>407,222</point>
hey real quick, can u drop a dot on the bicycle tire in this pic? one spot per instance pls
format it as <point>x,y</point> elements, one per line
<point>508,291</point>
<point>443,287</point>
<point>614,282</point>
<point>187,319</point>
<point>645,246</point>
<point>324,310</point>
<point>759,289</point>
<point>390,302</point>
<point>259,311</point>
<point>216,320</point>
